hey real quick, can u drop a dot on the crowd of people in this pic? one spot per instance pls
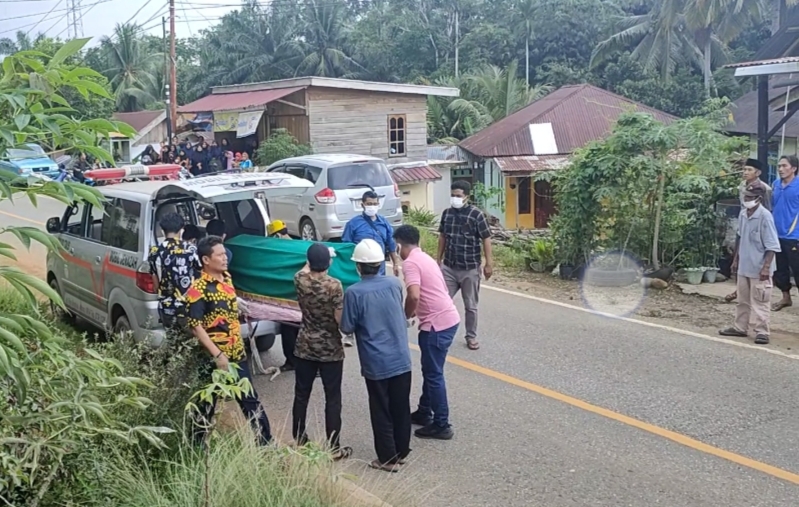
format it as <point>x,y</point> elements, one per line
<point>197,295</point>
<point>767,247</point>
<point>201,157</point>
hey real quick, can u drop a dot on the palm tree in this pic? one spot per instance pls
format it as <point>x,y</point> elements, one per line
<point>660,38</point>
<point>324,39</point>
<point>501,91</point>
<point>449,119</point>
<point>130,70</point>
<point>714,24</point>
<point>21,42</point>
<point>524,28</point>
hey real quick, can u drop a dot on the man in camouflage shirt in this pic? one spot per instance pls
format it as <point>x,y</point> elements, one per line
<point>319,347</point>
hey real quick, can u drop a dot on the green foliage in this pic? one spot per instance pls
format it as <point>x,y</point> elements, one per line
<point>542,251</point>
<point>421,217</point>
<point>649,189</point>
<point>281,144</point>
<point>484,196</point>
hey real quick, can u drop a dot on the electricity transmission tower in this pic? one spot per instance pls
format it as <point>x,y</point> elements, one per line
<point>74,19</point>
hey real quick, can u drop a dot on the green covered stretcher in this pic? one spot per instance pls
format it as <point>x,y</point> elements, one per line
<point>263,270</point>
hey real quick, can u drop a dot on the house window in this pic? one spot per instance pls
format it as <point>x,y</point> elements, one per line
<point>396,135</point>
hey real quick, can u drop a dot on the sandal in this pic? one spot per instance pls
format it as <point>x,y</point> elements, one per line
<point>780,305</point>
<point>342,453</point>
<point>472,343</point>
<point>729,298</point>
<point>385,467</point>
<point>731,331</point>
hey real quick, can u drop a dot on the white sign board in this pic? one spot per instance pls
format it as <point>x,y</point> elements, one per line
<point>248,123</point>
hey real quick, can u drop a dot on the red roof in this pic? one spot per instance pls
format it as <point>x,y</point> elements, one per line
<point>579,114</point>
<point>238,100</point>
<point>414,174</point>
<point>531,164</point>
<point>139,119</point>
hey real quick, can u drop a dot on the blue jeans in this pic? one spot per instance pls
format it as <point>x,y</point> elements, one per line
<point>434,346</point>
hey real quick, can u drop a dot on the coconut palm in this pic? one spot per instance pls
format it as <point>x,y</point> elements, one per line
<point>500,91</point>
<point>130,69</point>
<point>660,39</point>
<point>449,119</point>
<point>323,41</point>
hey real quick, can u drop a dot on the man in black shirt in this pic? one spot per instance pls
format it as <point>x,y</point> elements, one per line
<point>463,233</point>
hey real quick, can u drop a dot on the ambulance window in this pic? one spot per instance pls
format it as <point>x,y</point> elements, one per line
<point>121,225</point>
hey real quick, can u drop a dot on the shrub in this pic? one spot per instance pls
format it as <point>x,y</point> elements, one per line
<point>281,144</point>
<point>421,217</point>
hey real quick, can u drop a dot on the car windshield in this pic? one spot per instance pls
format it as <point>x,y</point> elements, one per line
<point>359,175</point>
<point>28,151</point>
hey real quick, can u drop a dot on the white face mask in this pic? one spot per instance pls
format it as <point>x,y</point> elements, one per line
<point>456,202</point>
<point>370,210</point>
<point>750,204</point>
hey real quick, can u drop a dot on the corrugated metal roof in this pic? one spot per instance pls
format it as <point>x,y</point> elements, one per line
<point>756,63</point>
<point>531,164</point>
<point>139,119</point>
<point>579,114</point>
<point>446,153</point>
<point>414,174</point>
<point>236,101</point>
<point>744,113</point>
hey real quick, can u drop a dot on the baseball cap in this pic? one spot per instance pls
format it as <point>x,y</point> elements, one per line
<point>318,257</point>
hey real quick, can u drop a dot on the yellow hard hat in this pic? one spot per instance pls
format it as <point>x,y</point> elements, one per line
<point>274,226</point>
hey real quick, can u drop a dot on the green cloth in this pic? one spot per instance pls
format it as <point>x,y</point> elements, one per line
<point>266,266</point>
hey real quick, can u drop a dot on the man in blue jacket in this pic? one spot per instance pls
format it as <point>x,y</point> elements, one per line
<point>371,225</point>
<point>785,200</point>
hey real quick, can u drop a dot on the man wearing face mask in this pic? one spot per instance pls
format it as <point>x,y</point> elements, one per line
<point>757,244</point>
<point>463,230</point>
<point>371,225</point>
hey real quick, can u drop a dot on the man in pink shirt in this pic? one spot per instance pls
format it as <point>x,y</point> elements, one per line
<point>428,300</point>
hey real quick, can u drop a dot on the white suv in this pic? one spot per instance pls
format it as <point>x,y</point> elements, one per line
<point>339,182</point>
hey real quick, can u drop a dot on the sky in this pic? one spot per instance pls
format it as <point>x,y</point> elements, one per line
<point>100,16</point>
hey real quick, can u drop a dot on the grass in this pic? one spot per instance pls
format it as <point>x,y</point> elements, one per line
<point>234,471</point>
<point>505,257</point>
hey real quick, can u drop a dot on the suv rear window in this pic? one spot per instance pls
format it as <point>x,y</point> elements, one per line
<point>374,174</point>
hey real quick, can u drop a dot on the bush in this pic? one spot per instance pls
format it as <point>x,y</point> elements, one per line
<point>421,217</point>
<point>281,144</point>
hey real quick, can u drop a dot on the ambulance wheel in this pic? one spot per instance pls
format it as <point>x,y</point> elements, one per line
<point>58,312</point>
<point>122,325</point>
<point>307,230</point>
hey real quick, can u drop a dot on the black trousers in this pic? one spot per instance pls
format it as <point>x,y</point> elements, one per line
<point>288,340</point>
<point>787,264</point>
<point>390,411</point>
<point>249,404</point>
<point>304,375</point>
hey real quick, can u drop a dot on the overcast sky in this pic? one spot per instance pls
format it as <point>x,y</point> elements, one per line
<point>100,16</point>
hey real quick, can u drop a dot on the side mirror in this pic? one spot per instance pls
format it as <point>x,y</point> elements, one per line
<point>53,225</point>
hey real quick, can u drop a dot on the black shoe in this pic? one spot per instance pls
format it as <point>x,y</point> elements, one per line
<point>287,367</point>
<point>421,419</point>
<point>436,432</point>
<point>761,339</point>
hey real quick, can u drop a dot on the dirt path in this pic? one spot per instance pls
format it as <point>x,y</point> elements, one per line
<point>668,307</point>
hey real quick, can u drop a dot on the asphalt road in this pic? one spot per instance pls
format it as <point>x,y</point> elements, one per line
<point>565,408</point>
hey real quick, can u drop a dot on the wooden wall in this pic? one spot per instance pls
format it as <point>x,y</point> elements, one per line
<point>293,119</point>
<point>155,136</point>
<point>352,121</point>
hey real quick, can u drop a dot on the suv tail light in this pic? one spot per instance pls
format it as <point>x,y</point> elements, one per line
<point>145,282</point>
<point>325,196</point>
<point>397,192</point>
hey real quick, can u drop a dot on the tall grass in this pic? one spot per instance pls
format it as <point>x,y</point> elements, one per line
<point>234,472</point>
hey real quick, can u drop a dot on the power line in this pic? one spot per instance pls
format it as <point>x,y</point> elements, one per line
<point>48,13</point>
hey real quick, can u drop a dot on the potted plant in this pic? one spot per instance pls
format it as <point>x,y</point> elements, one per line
<point>710,274</point>
<point>541,255</point>
<point>694,275</point>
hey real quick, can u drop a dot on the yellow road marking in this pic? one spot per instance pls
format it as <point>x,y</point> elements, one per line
<point>21,218</point>
<point>629,421</point>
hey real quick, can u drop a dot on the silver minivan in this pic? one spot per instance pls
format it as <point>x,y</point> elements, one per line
<point>339,183</point>
<point>103,275</point>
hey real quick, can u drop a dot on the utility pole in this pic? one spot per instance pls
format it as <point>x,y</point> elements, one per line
<point>167,102</point>
<point>457,40</point>
<point>173,78</point>
<point>74,19</point>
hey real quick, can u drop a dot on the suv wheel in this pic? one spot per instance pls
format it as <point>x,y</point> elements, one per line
<point>307,230</point>
<point>59,313</point>
<point>122,325</point>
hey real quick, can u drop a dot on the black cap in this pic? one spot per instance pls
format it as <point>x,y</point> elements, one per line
<point>318,257</point>
<point>752,162</point>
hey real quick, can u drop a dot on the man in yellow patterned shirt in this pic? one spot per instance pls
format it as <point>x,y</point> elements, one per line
<point>213,317</point>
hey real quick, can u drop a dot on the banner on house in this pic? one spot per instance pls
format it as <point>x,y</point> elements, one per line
<point>248,123</point>
<point>225,121</point>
